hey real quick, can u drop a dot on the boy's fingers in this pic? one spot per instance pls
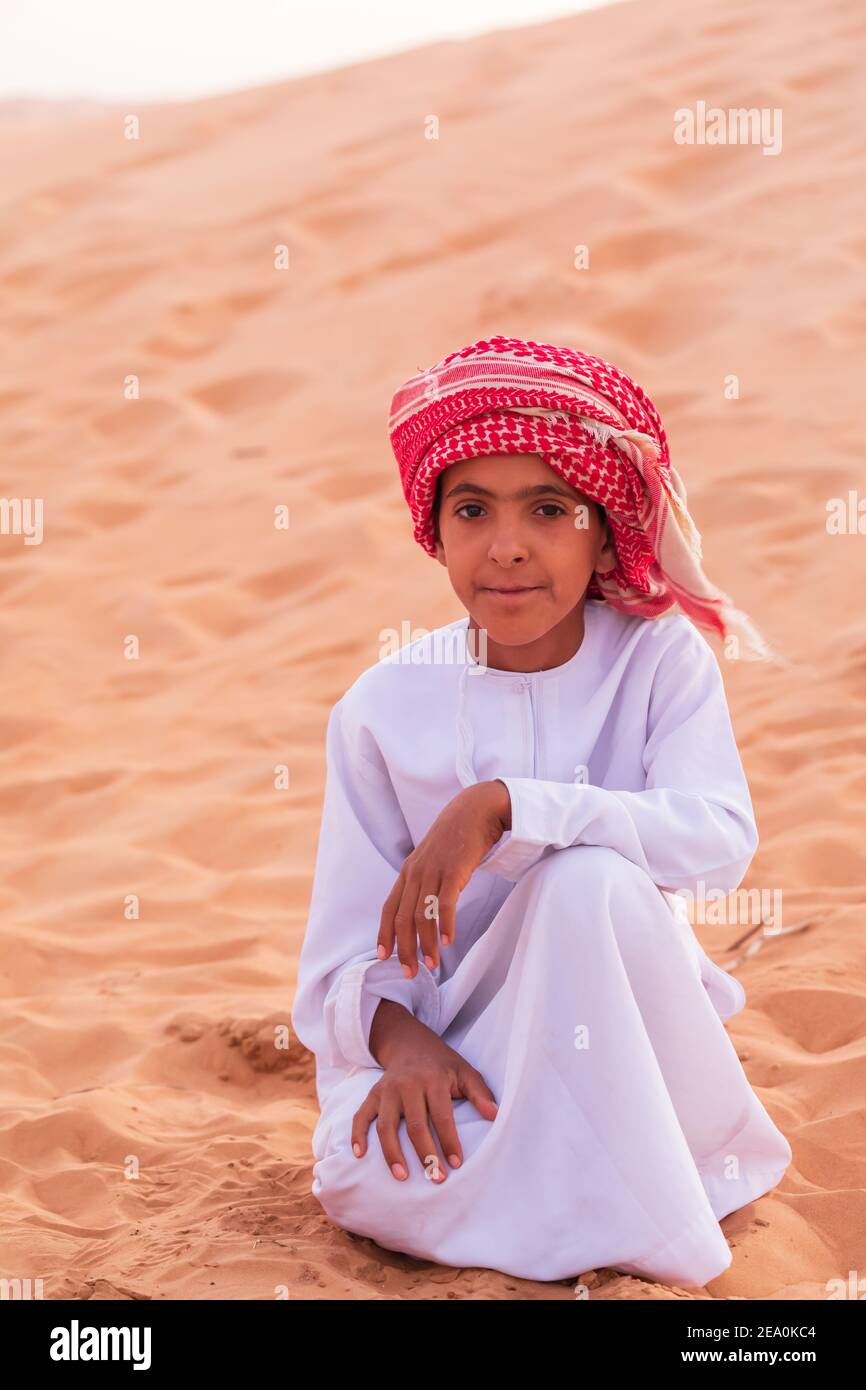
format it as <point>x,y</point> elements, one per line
<point>363,1118</point>
<point>475,1088</point>
<point>385,938</point>
<point>427,923</point>
<point>441,1108</point>
<point>418,1130</point>
<point>447,914</point>
<point>386,1128</point>
<point>404,921</point>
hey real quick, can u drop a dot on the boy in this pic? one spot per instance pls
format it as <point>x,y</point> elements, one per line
<point>497,973</point>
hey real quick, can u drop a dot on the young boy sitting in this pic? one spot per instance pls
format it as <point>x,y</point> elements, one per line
<point>498,977</point>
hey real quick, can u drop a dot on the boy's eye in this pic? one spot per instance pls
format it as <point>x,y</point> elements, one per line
<point>558,509</point>
<point>461,510</point>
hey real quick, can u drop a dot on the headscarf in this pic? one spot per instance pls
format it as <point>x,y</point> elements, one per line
<point>600,431</point>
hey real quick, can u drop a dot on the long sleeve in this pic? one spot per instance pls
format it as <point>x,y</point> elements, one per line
<point>363,841</point>
<point>692,824</point>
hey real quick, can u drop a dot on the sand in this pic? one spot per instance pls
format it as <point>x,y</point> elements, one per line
<point>153,1143</point>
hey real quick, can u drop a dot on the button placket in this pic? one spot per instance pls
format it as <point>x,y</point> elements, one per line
<point>524,685</point>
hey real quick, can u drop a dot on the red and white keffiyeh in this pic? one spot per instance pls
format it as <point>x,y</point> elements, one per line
<point>598,430</point>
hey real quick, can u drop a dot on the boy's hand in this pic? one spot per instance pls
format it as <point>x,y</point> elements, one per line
<point>436,872</point>
<point>422,1076</point>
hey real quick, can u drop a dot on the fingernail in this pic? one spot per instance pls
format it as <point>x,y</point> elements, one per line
<point>407,972</point>
<point>356,1150</point>
<point>398,1170</point>
<point>428,961</point>
<point>446,940</point>
<point>381,952</point>
<point>454,1160</point>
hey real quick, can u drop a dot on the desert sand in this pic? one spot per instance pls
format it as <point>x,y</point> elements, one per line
<point>168,386</point>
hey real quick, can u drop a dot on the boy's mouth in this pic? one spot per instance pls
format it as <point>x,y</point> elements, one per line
<point>512,593</point>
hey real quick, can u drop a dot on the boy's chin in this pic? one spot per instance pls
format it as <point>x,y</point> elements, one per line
<point>512,629</point>
<point>514,622</point>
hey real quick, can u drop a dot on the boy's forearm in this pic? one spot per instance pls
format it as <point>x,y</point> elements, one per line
<point>393,1028</point>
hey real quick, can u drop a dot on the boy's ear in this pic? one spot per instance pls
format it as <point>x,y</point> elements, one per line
<point>437,541</point>
<point>607,557</point>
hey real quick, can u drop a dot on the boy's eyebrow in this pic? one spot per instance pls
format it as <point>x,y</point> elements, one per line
<point>517,496</point>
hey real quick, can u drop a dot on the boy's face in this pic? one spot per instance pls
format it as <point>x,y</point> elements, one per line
<point>508,520</point>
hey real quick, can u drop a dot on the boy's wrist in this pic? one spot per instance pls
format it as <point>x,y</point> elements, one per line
<point>492,800</point>
<point>392,1023</point>
<point>500,802</point>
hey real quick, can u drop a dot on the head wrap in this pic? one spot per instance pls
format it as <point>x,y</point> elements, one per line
<point>600,431</point>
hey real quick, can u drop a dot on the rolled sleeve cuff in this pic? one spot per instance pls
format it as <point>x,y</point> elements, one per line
<point>362,987</point>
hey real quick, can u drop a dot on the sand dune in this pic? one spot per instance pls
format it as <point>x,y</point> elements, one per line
<point>149,1037</point>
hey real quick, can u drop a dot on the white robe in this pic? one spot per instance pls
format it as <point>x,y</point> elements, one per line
<point>577,987</point>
